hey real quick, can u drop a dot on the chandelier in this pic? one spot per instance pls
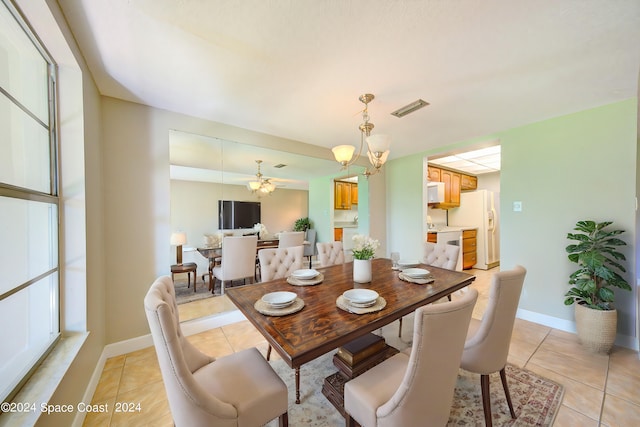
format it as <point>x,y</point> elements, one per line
<point>377,145</point>
<point>261,185</point>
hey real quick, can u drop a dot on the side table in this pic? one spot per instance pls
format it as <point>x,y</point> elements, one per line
<point>187,267</point>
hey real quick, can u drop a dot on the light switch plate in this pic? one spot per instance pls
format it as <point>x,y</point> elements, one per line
<point>517,206</point>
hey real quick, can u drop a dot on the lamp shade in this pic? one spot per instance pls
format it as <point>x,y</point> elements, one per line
<point>378,143</point>
<point>253,185</point>
<point>343,153</point>
<point>179,238</point>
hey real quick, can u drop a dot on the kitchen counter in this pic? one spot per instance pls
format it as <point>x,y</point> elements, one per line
<point>446,229</point>
<point>345,224</point>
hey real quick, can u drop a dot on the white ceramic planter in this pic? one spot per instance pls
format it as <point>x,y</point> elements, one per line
<point>362,270</point>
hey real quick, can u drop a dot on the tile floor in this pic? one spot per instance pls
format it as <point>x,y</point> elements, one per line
<point>600,390</point>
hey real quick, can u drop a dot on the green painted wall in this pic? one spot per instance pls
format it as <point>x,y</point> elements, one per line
<point>579,166</point>
<point>564,169</point>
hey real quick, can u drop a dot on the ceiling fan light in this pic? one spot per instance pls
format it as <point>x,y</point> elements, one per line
<point>343,153</point>
<point>379,143</point>
<point>253,185</point>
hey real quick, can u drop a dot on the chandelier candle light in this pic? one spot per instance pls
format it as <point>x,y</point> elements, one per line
<point>364,248</point>
<point>261,185</point>
<point>377,145</point>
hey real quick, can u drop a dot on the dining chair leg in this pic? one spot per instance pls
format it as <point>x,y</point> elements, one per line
<point>269,353</point>
<point>400,329</point>
<point>503,377</point>
<point>486,399</point>
<point>284,420</point>
<point>350,422</point>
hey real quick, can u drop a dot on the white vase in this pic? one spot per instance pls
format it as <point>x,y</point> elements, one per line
<point>362,270</point>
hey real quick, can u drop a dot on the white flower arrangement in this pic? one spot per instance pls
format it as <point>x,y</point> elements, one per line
<point>364,247</point>
<point>261,229</point>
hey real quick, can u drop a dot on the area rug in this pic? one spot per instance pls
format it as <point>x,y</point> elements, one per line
<point>536,400</point>
<point>186,294</point>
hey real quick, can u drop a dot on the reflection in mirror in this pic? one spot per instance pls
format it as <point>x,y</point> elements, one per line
<point>205,170</point>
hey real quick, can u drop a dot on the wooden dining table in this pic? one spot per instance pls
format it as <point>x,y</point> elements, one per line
<point>321,326</point>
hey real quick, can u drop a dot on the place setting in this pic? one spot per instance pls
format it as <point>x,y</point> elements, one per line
<point>305,277</point>
<point>419,276</point>
<point>279,303</point>
<point>361,301</point>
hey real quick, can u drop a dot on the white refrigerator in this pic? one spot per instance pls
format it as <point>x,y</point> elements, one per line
<point>480,209</point>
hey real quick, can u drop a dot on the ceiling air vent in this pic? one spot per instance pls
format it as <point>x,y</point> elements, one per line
<point>410,108</point>
<point>279,166</point>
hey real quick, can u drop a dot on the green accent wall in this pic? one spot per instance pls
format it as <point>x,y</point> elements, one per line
<point>565,169</point>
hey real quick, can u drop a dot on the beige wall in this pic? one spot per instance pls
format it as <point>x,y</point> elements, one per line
<point>138,200</point>
<point>194,210</point>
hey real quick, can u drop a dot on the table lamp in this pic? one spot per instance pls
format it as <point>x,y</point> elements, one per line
<point>178,239</point>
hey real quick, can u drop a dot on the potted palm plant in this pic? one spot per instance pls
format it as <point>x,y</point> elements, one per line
<point>599,269</point>
<point>302,224</point>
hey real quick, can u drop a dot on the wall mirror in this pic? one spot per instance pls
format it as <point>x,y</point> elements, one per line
<point>205,170</point>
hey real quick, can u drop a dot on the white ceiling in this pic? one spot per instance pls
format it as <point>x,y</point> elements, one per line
<point>295,68</point>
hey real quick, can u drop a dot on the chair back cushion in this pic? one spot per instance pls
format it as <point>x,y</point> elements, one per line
<point>238,258</point>
<point>441,255</point>
<point>287,239</point>
<point>487,345</point>
<point>280,262</point>
<point>178,360</point>
<point>330,253</point>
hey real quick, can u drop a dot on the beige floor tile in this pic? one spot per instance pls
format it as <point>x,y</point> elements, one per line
<point>100,419</point>
<point>624,375</point>
<point>114,362</point>
<point>139,373</point>
<point>212,343</point>
<point>153,406</point>
<point>139,355</point>
<point>108,385</point>
<point>562,354</point>
<point>619,412</point>
<point>567,417</point>
<point>577,396</point>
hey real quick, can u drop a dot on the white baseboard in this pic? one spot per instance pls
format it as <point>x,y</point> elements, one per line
<point>190,327</point>
<point>570,326</point>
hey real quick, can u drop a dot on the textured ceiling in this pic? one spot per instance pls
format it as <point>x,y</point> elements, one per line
<point>295,68</point>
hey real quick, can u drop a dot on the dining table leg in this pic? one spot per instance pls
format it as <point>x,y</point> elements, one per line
<point>298,385</point>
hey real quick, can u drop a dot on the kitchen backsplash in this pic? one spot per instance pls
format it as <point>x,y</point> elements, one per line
<point>344,216</point>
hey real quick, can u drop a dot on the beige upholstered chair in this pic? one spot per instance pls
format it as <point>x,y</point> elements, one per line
<point>280,262</point>
<point>415,388</point>
<point>238,259</point>
<point>330,253</point>
<point>487,345</point>
<point>441,255</point>
<point>235,390</point>
<point>290,238</point>
<point>438,255</point>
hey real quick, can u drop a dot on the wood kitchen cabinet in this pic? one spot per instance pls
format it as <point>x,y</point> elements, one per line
<point>354,193</point>
<point>337,234</point>
<point>469,249</point>
<point>469,183</point>
<point>342,195</point>
<point>454,184</point>
<point>432,237</point>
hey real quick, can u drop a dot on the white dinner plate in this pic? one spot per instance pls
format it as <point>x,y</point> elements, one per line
<point>416,273</point>
<point>360,296</point>
<point>403,263</point>
<point>305,273</point>
<point>362,304</point>
<point>279,299</point>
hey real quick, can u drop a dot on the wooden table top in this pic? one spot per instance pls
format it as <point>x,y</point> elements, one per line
<point>321,326</point>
